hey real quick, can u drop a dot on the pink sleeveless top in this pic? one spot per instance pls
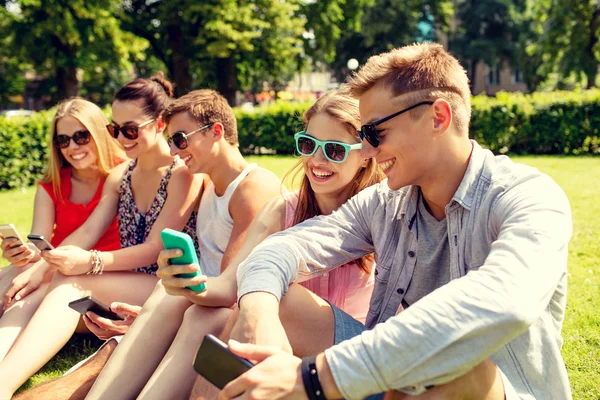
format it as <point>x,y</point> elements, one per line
<point>347,287</point>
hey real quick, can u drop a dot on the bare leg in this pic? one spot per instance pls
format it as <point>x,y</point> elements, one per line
<point>54,322</point>
<point>142,348</point>
<point>16,318</point>
<point>175,376</point>
<point>308,322</point>
<point>481,383</point>
<point>8,274</point>
<point>75,385</point>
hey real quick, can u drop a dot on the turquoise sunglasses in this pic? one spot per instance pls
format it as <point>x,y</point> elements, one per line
<point>336,152</point>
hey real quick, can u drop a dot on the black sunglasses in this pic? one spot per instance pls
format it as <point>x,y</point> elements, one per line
<point>370,131</point>
<point>180,138</point>
<point>79,137</point>
<point>131,132</point>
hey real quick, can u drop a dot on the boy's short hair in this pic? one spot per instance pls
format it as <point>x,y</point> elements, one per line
<point>424,71</point>
<point>206,106</point>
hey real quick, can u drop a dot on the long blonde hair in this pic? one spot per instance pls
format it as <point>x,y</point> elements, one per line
<point>93,119</point>
<point>337,104</point>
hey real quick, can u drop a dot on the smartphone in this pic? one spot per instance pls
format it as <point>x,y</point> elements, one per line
<point>88,303</point>
<point>40,242</point>
<point>173,239</point>
<point>217,364</point>
<point>9,231</point>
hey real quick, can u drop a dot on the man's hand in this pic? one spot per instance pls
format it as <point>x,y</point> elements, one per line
<point>106,328</point>
<point>19,255</point>
<point>69,260</point>
<point>258,322</point>
<point>277,374</point>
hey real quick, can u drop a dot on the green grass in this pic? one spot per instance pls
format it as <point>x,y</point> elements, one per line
<point>577,176</point>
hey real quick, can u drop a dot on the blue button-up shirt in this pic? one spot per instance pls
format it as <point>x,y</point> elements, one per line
<point>508,229</point>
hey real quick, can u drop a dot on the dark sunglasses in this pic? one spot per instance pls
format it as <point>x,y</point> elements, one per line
<point>180,138</point>
<point>370,131</point>
<point>79,137</point>
<point>336,152</point>
<point>131,132</point>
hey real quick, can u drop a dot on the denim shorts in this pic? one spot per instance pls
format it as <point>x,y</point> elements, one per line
<point>346,327</point>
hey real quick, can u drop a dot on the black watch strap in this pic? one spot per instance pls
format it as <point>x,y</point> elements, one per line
<point>310,379</point>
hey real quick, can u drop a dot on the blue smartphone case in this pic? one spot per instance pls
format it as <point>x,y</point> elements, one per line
<point>173,239</point>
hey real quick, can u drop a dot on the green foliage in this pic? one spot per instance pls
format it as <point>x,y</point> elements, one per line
<point>12,67</point>
<point>488,31</point>
<point>271,128</point>
<point>61,37</point>
<point>23,149</point>
<point>538,123</point>
<point>388,24</point>
<point>561,36</point>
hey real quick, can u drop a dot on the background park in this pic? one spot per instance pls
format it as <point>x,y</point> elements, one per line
<point>533,65</point>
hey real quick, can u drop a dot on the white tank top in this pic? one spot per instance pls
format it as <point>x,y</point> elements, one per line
<point>215,224</point>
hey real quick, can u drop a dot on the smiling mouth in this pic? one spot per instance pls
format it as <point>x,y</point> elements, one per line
<point>129,146</point>
<point>79,156</point>
<point>386,165</point>
<point>186,159</point>
<point>321,174</point>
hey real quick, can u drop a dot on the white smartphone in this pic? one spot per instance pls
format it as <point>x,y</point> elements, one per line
<point>9,231</point>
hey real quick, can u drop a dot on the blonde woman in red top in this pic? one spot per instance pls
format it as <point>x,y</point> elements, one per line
<point>81,155</point>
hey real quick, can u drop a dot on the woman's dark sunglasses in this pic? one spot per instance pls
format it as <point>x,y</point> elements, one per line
<point>370,132</point>
<point>180,138</point>
<point>336,152</point>
<point>79,137</point>
<point>131,132</point>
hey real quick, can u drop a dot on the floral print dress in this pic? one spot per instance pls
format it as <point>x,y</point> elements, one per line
<point>135,226</point>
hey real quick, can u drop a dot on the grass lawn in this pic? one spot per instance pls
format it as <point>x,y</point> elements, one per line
<point>582,326</point>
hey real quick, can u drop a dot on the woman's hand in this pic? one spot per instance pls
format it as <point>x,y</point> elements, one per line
<point>69,260</point>
<point>27,282</point>
<point>19,255</point>
<point>106,328</point>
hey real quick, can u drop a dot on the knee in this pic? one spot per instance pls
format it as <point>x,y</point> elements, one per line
<point>209,319</point>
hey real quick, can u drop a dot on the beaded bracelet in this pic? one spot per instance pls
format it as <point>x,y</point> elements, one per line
<point>97,263</point>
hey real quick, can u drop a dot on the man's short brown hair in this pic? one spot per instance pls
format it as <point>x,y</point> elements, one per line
<point>206,106</point>
<point>422,71</point>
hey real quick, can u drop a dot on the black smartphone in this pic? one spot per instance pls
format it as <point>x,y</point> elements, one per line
<point>40,242</point>
<point>88,303</point>
<point>217,364</point>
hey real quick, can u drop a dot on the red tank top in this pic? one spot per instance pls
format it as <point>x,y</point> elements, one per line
<point>70,216</point>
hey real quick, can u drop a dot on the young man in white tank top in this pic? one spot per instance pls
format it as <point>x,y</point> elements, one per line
<point>202,130</point>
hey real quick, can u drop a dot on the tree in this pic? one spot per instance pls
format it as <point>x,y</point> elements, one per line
<point>69,36</point>
<point>488,31</point>
<point>204,42</point>
<point>388,24</point>
<point>569,38</point>
<point>12,66</point>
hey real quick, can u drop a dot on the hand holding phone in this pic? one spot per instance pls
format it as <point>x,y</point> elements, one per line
<point>9,231</point>
<point>88,303</point>
<point>40,242</point>
<point>14,248</point>
<point>173,239</point>
<point>217,364</point>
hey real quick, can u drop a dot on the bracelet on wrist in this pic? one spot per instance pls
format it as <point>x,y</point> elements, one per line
<point>97,263</point>
<point>310,379</point>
